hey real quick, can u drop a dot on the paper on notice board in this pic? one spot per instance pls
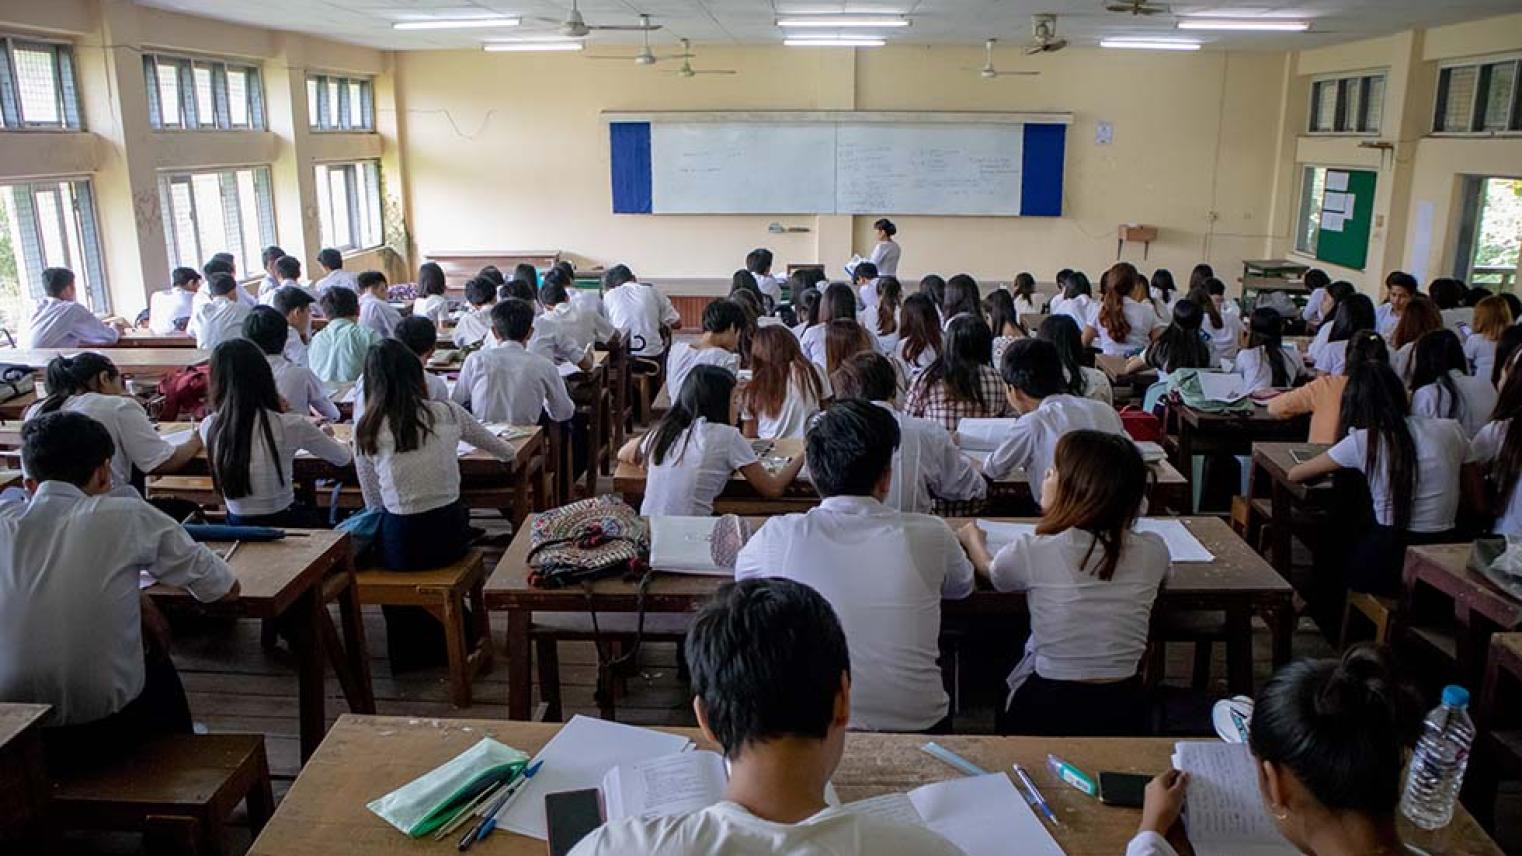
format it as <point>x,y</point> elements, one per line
<point>1336,180</point>
<point>1331,221</point>
<point>1334,201</point>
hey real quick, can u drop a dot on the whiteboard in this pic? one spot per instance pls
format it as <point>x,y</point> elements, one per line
<point>928,169</point>
<point>742,168</point>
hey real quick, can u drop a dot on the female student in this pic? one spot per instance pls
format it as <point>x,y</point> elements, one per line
<point>883,319</point>
<point>934,287</point>
<point>919,336</point>
<point>1266,363</point>
<point>844,339</point>
<point>961,383</point>
<point>785,389</point>
<point>1075,299</point>
<point>1506,353</point>
<point>838,301</point>
<point>526,273</point>
<point>1420,318</point>
<point>1448,294</point>
<point>406,455</point>
<point>806,308</point>
<point>1224,321</point>
<point>1441,386</point>
<point>1354,313</point>
<point>690,454</point>
<point>1181,345</point>
<point>1316,305</point>
<point>1120,324</point>
<point>1322,397</point>
<point>431,303</point>
<point>723,323</point>
<point>1333,295</point>
<point>1400,287</point>
<point>89,383</point>
<point>1084,567</point>
<point>251,442</point>
<point>886,252</point>
<point>1003,321</point>
<point>1497,450</point>
<point>1027,302</point>
<point>1491,318</point>
<point>1201,274</point>
<point>962,298</point>
<point>1163,292</point>
<point>744,280</point>
<point>1329,741</point>
<point>1082,380</point>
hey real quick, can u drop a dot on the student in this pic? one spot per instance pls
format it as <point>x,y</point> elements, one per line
<point>785,389</point>
<point>406,455</point>
<point>267,258</point>
<point>334,276</point>
<point>526,273</point>
<point>641,311</point>
<point>1091,580</point>
<point>431,302</point>
<point>934,287</point>
<point>962,298</point>
<point>1223,323</point>
<point>1003,320</point>
<point>882,320</point>
<point>1182,344</point>
<point>251,440</point>
<point>275,276</point>
<point>474,327</point>
<point>1322,397</point>
<point>1266,363</point>
<point>337,353</point>
<point>58,321</point>
<point>773,686</point>
<point>1497,453</point>
<point>885,252</point>
<point>864,279</point>
<point>221,317</point>
<point>1448,294</point>
<point>1316,305</point>
<point>884,571</point>
<point>169,311</point>
<point>580,329</point>
<point>422,338</point>
<point>1033,373</point>
<point>837,301</point>
<point>223,263</point>
<point>759,263</point>
<point>71,627</point>
<point>1441,386</point>
<point>960,383</point>
<point>1087,381</point>
<point>508,382</point>
<point>1120,324</point>
<point>719,345</point>
<point>844,339</point>
<point>1075,299</point>
<point>1400,287</point>
<point>1506,352</point>
<point>1329,743</point>
<point>1335,294</point>
<point>295,384</point>
<point>89,383</point>
<point>1201,274</point>
<point>1491,319</point>
<point>1412,464</point>
<point>492,273</point>
<point>1354,313</point>
<point>295,306</point>
<point>289,269</point>
<point>1023,293</point>
<point>1163,293</point>
<point>1421,316</point>
<point>919,336</point>
<point>524,292</point>
<point>806,306</point>
<point>927,465</point>
<point>375,310</point>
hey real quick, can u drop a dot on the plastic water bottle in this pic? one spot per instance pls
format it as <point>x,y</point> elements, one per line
<point>1437,766</point>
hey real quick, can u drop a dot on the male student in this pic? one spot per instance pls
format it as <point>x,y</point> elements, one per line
<point>927,463</point>
<point>337,353</point>
<point>507,382</point>
<point>267,258</point>
<point>334,276</point>
<point>1400,287</point>
<point>563,333</point>
<point>885,572</point>
<point>295,305</point>
<point>759,263</point>
<point>772,685</point>
<point>865,280</point>
<point>422,338</point>
<point>375,310</point>
<point>169,311</point>
<point>640,310</point>
<point>302,391</point>
<point>723,322</point>
<point>71,626</point>
<point>60,321</point>
<point>289,270</point>
<point>221,317</point>
<point>226,263</point>
<point>474,327</point>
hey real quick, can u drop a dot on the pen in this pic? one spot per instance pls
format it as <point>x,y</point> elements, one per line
<point>489,822</point>
<point>941,753</point>
<point>468,811</point>
<point>1036,798</point>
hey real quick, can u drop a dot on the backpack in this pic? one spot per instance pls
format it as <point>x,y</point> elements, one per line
<point>184,393</point>
<point>587,540</point>
<point>15,380</point>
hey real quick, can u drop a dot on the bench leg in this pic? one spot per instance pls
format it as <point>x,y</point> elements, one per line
<point>1202,659</point>
<point>520,680</point>
<point>459,651</point>
<point>548,652</point>
<point>481,623</point>
<point>356,651</point>
<point>261,797</point>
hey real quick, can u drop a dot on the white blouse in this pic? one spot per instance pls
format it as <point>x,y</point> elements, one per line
<point>427,477</point>
<point>1142,320</point>
<point>1476,400</point>
<point>694,470</point>
<point>798,406</point>
<point>1255,369</point>
<point>270,477</point>
<point>1441,449</point>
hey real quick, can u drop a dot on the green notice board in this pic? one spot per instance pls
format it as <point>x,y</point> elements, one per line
<point>1347,210</point>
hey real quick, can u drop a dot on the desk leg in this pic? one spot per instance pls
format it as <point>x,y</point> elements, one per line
<point>1281,629</point>
<point>356,652</point>
<point>1239,650</point>
<point>311,673</point>
<point>520,685</point>
<point>1281,549</point>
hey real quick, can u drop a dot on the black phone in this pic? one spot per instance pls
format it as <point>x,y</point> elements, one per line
<point>571,816</point>
<point>1126,790</point>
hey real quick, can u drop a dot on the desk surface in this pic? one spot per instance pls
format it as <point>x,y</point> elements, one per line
<point>136,338</point>
<point>129,360</point>
<point>16,719</point>
<point>1277,459</point>
<point>273,574</point>
<point>1451,561</point>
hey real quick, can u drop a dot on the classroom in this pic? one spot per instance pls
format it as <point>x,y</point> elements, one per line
<point>760,426</point>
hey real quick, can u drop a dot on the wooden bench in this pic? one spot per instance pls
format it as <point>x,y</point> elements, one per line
<point>443,592</point>
<point>176,790</point>
<point>614,634</point>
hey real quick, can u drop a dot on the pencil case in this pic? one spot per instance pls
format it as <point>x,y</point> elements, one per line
<point>426,803</point>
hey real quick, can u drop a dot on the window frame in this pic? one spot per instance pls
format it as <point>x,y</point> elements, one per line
<point>227,177</point>
<point>187,93</point>
<point>354,217</point>
<point>1484,70</point>
<point>319,87</point>
<point>1343,84</point>
<point>90,267</point>
<point>65,83</point>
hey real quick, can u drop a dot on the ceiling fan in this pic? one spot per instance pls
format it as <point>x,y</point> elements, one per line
<point>688,71</point>
<point>646,56</point>
<point>988,72</point>
<point>1044,36</point>
<point>576,27</point>
<point>1137,7</point>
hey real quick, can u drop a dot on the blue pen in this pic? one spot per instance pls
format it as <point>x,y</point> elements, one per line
<point>1036,799</point>
<point>489,822</point>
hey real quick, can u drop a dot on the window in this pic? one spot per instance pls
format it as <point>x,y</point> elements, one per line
<point>340,103</point>
<point>348,205</point>
<point>1308,226</point>
<point>218,211</point>
<point>1478,98</point>
<point>202,94</point>
<point>37,87</point>
<point>48,224</point>
<point>1347,105</point>
<point>1490,232</point>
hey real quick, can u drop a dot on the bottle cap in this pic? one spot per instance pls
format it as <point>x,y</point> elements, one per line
<point>1455,696</point>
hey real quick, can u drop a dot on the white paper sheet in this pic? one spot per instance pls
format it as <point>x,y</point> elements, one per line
<point>1334,201</point>
<point>1224,812</point>
<point>568,369</point>
<point>671,784</point>
<point>1331,221</point>
<point>176,438</point>
<point>684,545</point>
<point>983,435</point>
<point>1182,545</point>
<point>1000,534</point>
<point>1336,180</point>
<point>1219,386</point>
<point>894,808</point>
<point>985,816</point>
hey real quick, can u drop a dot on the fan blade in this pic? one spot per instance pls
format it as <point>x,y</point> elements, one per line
<point>715,71</point>
<point>543,20</point>
<point>626,27</point>
<point>1017,74</point>
<point>1032,50</point>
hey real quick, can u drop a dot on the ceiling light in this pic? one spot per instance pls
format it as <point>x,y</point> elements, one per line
<point>834,43</point>
<point>527,47</point>
<point>456,23</point>
<point>1149,44</point>
<point>1267,25</point>
<point>830,21</point>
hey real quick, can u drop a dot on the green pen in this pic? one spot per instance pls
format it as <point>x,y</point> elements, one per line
<point>1072,775</point>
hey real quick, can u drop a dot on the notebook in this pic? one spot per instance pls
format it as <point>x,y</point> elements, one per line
<point>1182,545</point>
<point>671,784</point>
<point>1219,386</point>
<point>983,435</point>
<point>983,815</point>
<point>1223,812</point>
<point>504,431</point>
<point>685,545</point>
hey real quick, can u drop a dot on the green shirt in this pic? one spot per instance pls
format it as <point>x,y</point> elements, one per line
<point>337,353</point>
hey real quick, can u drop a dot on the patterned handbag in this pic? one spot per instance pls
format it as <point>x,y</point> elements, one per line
<point>587,540</point>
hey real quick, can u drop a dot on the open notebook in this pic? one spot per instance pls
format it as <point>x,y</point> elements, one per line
<point>1182,545</point>
<point>983,815</point>
<point>1223,812</point>
<point>685,545</point>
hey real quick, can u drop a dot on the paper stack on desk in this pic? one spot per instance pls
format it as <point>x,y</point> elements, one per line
<point>983,815</point>
<point>1182,545</point>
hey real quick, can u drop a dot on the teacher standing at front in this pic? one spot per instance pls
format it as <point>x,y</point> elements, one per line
<point>885,254</point>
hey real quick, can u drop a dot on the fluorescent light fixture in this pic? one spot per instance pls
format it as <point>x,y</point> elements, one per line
<point>530,46</point>
<point>834,43</point>
<point>456,23</point>
<point>832,21</point>
<point>1149,44</point>
<point>1266,25</point>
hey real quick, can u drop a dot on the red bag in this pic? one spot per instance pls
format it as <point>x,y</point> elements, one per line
<point>1141,425</point>
<point>184,393</point>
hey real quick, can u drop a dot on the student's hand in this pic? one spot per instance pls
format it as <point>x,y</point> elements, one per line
<point>1164,802</point>
<point>285,406</point>
<point>194,442</point>
<point>956,439</point>
<point>972,537</point>
<point>232,593</point>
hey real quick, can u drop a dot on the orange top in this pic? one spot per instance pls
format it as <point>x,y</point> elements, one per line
<point>1322,398</point>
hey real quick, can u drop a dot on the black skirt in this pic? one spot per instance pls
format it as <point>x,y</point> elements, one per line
<point>1048,708</point>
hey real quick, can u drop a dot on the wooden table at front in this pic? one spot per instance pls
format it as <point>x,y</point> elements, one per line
<point>1479,609</point>
<point>131,361</point>
<point>292,581</point>
<point>136,338</point>
<point>23,776</point>
<point>1238,583</point>
<point>1273,461</point>
<point>365,757</point>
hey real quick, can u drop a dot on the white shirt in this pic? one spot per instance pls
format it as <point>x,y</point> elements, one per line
<point>340,279</point>
<point>885,255</point>
<point>473,327</point>
<point>1097,384</point>
<point>1032,441</point>
<point>811,342</point>
<point>216,321</point>
<point>168,306</point>
<point>1076,308</point>
<point>582,327</point>
<point>1482,355</point>
<point>928,463</point>
<point>1312,311</point>
<point>1225,340</point>
<point>137,443</point>
<point>434,307</point>
<point>70,623</point>
<point>267,298</point>
<point>1083,628</point>
<point>1459,320</point>
<point>1322,338</point>
<point>911,369</point>
<point>885,573</point>
<point>640,311</point>
<point>1477,398</point>
<point>508,383</point>
<point>1149,844</point>
<point>1485,449</point>
<point>302,391</point>
<point>1258,373</point>
<point>378,315</point>
<point>240,294</point>
<point>1441,448</point>
<point>1400,362</point>
<point>58,323</point>
<point>866,296</point>
<point>1333,358</point>
<point>1140,316</point>
<point>555,341</point>
<point>438,390</point>
<point>269,476</point>
<point>295,348</point>
<point>770,285</point>
<point>1025,305</point>
<point>798,406</point>
<point>1385,319</point>
<point>694,470</point>
<point>427,477</point>
<point>684,358</point>
<point>727,828</point>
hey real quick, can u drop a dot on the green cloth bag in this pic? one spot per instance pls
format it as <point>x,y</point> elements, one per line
<point>426,803</point>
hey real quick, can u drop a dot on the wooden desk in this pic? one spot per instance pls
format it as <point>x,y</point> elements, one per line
<point>23,775</point>
<point>16,408</point>
<point>1238,583</point>
<point>1437,578</point>
<point>148,339</point>
<point>1114,367</point>
<point>366,757</point>
<point>460,266</point>
<point>1200,433</point>
<point>292,581</point>
<point>1272,461</point>
<point>131,361</point>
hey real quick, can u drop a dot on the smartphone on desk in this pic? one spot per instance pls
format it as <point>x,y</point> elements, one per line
<point>1125,790</point>
<point>571,816</point>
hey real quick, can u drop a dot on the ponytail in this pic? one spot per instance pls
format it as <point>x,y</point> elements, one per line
<point>1120,280</point>
<point>70,376</point>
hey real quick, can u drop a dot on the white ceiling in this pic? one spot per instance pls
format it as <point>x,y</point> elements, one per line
<point>368,22</point>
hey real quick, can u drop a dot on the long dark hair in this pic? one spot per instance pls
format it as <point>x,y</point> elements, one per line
<point>1354,312</point>
<point>1119,282</point>
<point>71,376</point>
<point>1434,357</point>
<point>962,296</point>
<point>396,397</point>
<point>430,278</point>
<point>1179,346</point>
<point>1202,296</point>
<point>933,286</point>
<point>1076,285</point>
<point>1162,280</point>
<point>890,296</point>
<point>243,394</point>
<point>999,305</point>
<point>1420,317</point>
<point>919,327</point>
<point>807,304</point>
<point>1375,401</point>
<point>844,339</point>
<point>1199,275</point>
<point>1506,348</point>
<point>1062,332</point>
<point>1507,470</point>
<point>839,301</point>
<point>1101,482</point>
<point>969,349</point>
<point>1265,329</point>
<point>705,395</point>
<point>776,363</point>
